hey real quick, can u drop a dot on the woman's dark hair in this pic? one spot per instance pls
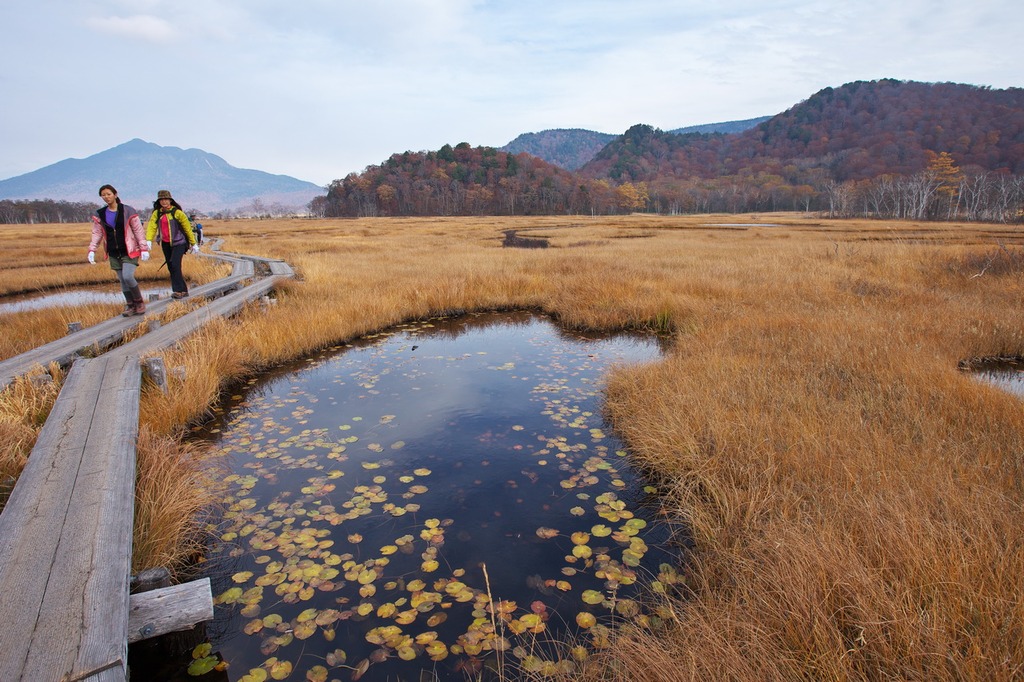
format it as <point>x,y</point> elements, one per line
<point>174,204</point>
<point>110,187</point>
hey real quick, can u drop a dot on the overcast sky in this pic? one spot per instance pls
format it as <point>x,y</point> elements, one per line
<point>317,89</point>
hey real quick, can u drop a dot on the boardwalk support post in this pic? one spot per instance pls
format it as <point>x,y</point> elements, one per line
<point>155,371</point>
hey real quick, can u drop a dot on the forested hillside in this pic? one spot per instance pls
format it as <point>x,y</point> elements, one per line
<point>859,131</point>
<point>883,148</point>
<point>464,180</point>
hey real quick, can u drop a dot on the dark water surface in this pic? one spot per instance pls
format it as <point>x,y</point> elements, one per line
<point>404,506</point>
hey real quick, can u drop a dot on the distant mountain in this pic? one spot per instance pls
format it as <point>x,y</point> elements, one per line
<point>199,181</point>
<point>568,148</point>
<point>572,148</point>
<point>724,127</point>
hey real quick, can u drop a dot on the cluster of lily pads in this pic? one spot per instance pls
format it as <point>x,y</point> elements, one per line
<point>342,568</point>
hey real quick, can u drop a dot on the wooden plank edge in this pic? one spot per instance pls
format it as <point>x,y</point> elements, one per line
<point>169,609</point>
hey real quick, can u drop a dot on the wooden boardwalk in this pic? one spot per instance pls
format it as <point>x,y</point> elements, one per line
<point>66,530</point>
<point>65,534</point>
<point>98,338</point>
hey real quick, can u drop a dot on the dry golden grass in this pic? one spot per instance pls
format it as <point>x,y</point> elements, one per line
<point>854,498</point>
<point>24,407</point>
<point>31,328</point>
<point>172,501</point>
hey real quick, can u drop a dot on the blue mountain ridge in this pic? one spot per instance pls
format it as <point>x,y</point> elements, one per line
<point>197,179</point>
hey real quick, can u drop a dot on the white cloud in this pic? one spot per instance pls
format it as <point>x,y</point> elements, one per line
<point>141,27</point>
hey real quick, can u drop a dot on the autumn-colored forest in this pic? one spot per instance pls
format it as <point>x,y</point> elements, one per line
<point>884,148</point>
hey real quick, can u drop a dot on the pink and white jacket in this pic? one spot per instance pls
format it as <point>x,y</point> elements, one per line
<point>134,232</point>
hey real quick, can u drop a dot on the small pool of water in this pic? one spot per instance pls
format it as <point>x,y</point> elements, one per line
<point>405,507</point>
<point>74,297</point>
<point>1007,375</point>
<point>740,225</point>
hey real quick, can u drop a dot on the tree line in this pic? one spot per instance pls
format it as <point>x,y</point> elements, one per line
<point>31,211</point>
<point>462,180</point>
<point>484,181</point>
<point>41,211</point>
<point>942,191</point>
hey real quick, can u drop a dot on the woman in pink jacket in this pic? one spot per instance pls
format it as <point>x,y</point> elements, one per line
<point>119,228</point>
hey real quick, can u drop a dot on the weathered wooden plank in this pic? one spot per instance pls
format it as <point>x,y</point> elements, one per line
<point>81,616</point>
<point>281,268</point>
<point>169,609</point>
<point>32,527</point>
<point>63,350</point>
<point>101,336</point>
<point>32,517</point>
<point>241,267</point>
<point>110,451</point>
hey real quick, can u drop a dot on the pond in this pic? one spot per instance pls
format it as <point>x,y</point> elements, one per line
<point>74,297</point>
<point>439,501</point>
<point>740,225</point>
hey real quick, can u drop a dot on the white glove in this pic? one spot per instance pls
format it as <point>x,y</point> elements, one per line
<point>92,258</point>
<point>195,248</point>
<point>149,245</point>
<point>145,255</point>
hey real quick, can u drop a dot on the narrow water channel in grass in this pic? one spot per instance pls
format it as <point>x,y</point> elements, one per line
<point>1005,374</point>
<point>75,297</point>
<point>408,506</point>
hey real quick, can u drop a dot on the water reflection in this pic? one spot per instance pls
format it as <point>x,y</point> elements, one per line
<point>413,503</point>
<point>68,298</point>
<point>1006,374</point>
<point>513,240</point>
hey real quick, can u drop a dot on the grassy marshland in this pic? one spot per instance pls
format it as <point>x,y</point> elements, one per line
<point>855,499</point>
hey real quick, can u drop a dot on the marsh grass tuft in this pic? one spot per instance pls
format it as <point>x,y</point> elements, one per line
<point>1001,261</point>
<point>24,407</point>
<point>177,489</point>
<point>26,330</point>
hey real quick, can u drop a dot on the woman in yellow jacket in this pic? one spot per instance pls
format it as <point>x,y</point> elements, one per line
<point>171,227</point>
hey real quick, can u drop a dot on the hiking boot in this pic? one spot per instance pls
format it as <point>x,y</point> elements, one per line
<point>179,294</point>
<point>138,305</point>
<point>129,306</point>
